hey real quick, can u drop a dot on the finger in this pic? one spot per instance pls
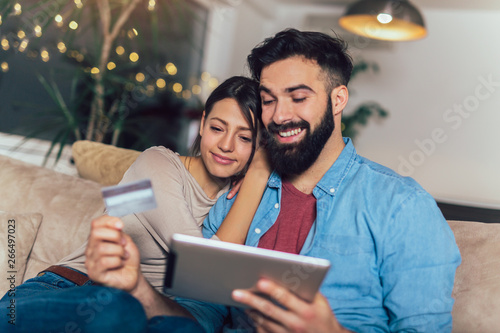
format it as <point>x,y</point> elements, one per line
<point>264,323</point>
<point>107,221</point>
<point>105,233</point>
<point>234,189</point>
<point>260,304</point>
<point>281,295</point>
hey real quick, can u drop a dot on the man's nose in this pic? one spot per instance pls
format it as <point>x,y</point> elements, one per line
<point>282,113</point>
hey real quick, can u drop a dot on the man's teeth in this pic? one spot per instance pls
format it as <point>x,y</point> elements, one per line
<point>291,132</point>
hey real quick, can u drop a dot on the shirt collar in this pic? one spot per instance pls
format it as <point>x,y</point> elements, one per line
<point>333,178</point>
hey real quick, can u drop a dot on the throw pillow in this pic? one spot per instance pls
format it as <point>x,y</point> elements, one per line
<point>101,162</point>
<point>17,235</point>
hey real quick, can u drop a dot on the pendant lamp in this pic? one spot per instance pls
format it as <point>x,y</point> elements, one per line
<point>392,20</point>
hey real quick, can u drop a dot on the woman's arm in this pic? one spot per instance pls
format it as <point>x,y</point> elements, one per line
<point>235,226</point>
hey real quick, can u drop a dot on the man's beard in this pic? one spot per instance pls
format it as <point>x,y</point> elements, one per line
<point>295,158</point>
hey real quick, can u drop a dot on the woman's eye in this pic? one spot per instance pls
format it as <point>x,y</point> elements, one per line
<point>246,139</point>
<point>216,129</point>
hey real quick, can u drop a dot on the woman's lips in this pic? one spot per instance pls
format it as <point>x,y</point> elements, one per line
<point>222,160</point>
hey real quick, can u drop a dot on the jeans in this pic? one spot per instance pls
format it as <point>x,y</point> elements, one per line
<point>50,303</point>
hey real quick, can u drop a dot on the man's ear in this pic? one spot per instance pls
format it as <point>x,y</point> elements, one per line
<point>202,123</point>
<point>340,96</point>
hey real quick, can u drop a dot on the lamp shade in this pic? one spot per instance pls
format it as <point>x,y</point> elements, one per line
<point>393,20</point>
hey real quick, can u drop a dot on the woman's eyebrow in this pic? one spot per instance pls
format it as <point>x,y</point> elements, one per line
<point>240,128</point>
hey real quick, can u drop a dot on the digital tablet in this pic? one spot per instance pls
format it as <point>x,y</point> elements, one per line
<point>209,270</point>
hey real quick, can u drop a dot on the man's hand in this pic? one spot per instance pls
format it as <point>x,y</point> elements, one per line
<point>296,316</point>
<point>112,258</point>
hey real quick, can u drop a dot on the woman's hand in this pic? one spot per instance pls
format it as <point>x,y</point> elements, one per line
<point>112,258</point>
<point>259,167</point>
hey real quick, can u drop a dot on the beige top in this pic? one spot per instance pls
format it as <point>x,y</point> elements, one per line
<point>182,207</point>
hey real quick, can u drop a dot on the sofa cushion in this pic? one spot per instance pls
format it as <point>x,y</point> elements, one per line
<point>477,281</point>
<point>102,163</point>
<point>68,205</point>
<point>17,235</point>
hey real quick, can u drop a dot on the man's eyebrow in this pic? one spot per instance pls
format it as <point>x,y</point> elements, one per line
<point>287,90</point>
<point>298,87</point>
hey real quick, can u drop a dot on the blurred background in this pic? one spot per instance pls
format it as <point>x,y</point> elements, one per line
<point>427,108</point>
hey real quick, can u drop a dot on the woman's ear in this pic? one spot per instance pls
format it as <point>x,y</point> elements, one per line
<point>340,96</point>
<point>202,123</point>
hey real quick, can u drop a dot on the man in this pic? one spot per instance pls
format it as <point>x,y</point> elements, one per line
<point>393,255</point>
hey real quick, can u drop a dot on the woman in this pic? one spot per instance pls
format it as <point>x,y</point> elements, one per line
<point>185,189</point>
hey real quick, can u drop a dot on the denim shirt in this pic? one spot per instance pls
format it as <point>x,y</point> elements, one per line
<point>393,256</point>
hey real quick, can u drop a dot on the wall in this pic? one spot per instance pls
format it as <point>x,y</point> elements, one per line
<point>442,92</point>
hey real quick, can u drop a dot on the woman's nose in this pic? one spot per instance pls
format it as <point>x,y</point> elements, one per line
<point>226,143</point>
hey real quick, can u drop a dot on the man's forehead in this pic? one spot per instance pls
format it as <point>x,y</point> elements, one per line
<point>289,74</point>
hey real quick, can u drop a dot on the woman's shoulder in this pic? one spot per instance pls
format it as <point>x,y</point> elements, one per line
<point>158,157</point>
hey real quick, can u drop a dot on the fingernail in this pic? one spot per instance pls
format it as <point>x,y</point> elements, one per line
<point>238,294</point>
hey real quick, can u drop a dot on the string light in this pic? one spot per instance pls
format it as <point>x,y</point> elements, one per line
<point>59,20</point>
<point>171,69</point>
<point>134,57</point>
<point>177,87</point>
<point>38,31</point>
<point>45,55</point>
<point>213,83</point>
<point>21,34</point>
<point>73,25</point>
<point>78,3</point>
<point>23,45</point>
<point>111,65</point>
<point>186,94</point>
<point>120,50</point>
<point>205,76</point>
<point>132,33</point>
<point>151,5</point>
<point>5,44</point>
<point>79,57</point>
<point>196,89</point>
<point>94,70</point>
<point>150,90</point>
<point>17,9</point>
<point>139,77</point>
<point>0,19</point>
<point>161,84</point>
<point>62,47</point>
<point>5,67</point>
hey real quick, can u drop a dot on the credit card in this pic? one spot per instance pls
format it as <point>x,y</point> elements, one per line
<point>130,198</point>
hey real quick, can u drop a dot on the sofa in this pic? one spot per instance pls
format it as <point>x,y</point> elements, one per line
<point>45,215</point>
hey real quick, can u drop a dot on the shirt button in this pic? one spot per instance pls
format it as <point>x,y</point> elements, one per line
<point>257,230</point>
<point>276,206</point>
<point>332,190</point>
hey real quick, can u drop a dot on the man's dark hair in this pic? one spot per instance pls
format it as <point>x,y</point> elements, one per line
<point>329,52</point>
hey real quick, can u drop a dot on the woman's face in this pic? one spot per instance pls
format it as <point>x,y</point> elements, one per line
<point>226,139</point>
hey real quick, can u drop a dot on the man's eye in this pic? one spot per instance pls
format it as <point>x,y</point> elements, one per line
<point>299,100</point>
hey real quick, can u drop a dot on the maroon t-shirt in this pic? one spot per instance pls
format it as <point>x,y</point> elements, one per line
<point>297,214</point>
